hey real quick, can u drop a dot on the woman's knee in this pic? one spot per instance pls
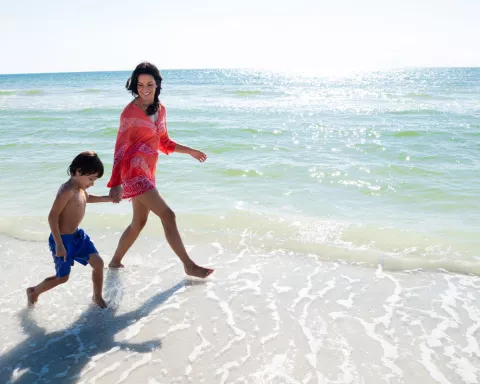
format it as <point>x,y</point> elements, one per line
<point>139,223</point>
<point>167,216</point>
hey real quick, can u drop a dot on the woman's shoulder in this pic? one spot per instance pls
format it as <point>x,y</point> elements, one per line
<point>129,110</point>
<point>162,108</point>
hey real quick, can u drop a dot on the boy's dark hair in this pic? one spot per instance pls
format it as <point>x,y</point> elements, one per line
<point>146,68</point>
<point>86,163</point>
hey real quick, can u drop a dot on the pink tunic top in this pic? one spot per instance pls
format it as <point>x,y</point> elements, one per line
<point>136,150</point>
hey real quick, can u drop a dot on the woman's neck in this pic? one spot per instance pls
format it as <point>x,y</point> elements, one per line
<point>143,104</point>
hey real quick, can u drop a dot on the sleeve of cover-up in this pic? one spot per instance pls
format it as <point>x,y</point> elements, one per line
<point>166,145</point>
<point>121,146</point>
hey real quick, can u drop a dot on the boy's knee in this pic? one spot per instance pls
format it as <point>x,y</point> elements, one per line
<point>99,264</point>
<point>63,279</point>
<point>96,262</point>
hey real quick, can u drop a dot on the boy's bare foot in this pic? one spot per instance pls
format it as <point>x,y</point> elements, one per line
<point>115,265</point>
<point>198,271</point>
<point>32,297</point>
<point>99,301</point>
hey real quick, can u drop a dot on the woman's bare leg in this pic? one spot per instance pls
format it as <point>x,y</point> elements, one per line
<point>140,216</point>
<point>154,202</point>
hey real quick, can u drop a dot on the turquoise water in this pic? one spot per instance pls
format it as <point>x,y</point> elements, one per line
<point>372,167</point>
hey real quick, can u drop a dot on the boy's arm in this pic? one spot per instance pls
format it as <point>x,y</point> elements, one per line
<point>98,199</point>
<point>63,195</point>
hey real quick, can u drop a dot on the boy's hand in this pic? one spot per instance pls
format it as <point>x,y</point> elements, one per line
<point>60,251</point>
<point>116,193</point>
<point>199,155</point>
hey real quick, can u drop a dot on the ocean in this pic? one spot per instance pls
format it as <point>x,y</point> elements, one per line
<point>340,212</point>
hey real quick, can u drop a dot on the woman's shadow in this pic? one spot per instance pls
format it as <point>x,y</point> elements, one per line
<point>59,357</point>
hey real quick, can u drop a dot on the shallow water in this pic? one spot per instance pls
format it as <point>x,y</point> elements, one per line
<point>340,214</point>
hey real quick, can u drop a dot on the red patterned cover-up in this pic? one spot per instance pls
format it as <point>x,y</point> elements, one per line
<point>136,150</point>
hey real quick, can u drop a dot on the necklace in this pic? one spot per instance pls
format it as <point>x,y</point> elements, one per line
<point>143,107</point>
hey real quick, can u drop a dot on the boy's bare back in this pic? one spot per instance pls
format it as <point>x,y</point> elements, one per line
<point>70,205</point>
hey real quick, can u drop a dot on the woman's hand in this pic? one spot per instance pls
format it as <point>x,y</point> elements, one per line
<point>116,193</point>
<point>199,155</point>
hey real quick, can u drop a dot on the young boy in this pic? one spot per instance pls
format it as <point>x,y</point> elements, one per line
<point>67,242</point>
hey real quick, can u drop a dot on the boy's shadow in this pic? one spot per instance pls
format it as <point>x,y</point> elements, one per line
<point>59,357</point>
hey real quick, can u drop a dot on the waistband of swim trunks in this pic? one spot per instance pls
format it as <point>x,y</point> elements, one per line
<point>77,232</point>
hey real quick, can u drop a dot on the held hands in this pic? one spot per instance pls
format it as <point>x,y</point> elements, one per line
<point>199,155</point>
<point>116,194</point>
<point>60,251</point>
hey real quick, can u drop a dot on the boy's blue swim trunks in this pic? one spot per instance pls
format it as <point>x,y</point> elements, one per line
<point>79,248</point>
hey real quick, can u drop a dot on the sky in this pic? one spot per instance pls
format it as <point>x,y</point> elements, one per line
<point>294,35</point>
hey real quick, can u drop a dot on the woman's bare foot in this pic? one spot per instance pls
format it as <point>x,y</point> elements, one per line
<point>32,297</point>
<point>115,265</point>
<point>197,271</point>
<point>99,301</point>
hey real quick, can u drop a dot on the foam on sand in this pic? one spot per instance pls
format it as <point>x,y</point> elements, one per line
<point>261,318</point>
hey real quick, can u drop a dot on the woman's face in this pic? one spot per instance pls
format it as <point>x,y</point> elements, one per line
<point>146,88</point>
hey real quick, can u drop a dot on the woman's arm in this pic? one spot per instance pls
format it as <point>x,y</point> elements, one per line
<point>121,145</point>
<point>195,153</point>
<point>167,145</point>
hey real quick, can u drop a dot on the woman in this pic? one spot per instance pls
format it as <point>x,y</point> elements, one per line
<point>142,133</point>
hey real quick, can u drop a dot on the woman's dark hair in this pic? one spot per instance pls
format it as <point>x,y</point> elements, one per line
<point>86,163</point>
<point>146,68</point>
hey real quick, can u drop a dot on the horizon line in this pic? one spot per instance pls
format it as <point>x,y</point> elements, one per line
<point>246,68</point>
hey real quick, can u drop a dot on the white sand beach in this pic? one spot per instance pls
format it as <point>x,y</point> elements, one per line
<point>261,318</point>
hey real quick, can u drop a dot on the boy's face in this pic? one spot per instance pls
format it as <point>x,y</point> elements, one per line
<point>86,181</point>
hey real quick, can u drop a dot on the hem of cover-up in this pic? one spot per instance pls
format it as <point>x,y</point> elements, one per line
<point>137,186</point>
<point>132,195</point>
